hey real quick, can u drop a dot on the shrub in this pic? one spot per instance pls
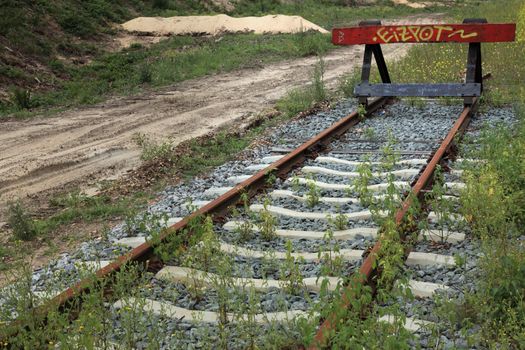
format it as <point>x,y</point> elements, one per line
<point>20,222</point>
<point>21,98</point>
<point>145,75</point>
<point>161,4</point>
<point>152,150</point>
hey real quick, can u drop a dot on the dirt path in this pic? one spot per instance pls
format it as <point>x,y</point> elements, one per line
<point>81,147</point>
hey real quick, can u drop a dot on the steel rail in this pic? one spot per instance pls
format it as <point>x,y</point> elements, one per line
<point>368,268</point>
<point>217,208</point>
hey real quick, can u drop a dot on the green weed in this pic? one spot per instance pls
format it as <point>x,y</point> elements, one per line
<point>295,101</point>
<point>267,222</point>
<point>291,277</point>
<point>319,89</point>
<point>302,99</point>
<point>347,84</point>
<point>145,74</point>
<point>332,262</point>
<point>21,98</point>
<point>340,221</point>
<point>20,222</point>
<point>151,150</point>
<point>313,194</point>
<point>75,206</point>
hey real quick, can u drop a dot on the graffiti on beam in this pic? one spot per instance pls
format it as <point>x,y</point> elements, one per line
<point>431,33</point>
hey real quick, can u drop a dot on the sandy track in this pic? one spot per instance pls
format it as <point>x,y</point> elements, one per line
<point>81,147</point>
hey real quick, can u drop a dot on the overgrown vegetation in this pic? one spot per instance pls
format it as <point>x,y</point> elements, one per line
<point>493,204</point>
<point>71,209</point>
<point>496,215</point>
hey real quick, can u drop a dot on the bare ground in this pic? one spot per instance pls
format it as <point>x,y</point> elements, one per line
<point>45,155</point>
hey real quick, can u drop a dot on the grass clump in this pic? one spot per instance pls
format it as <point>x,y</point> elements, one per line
<point>21,98</point>
<point>145,75</point>
<point>21,222</point>
<point>76,207</point>
<point>303,99</point>
<point>348,82</point>
<point>204,154</point>
<point>151,150</point>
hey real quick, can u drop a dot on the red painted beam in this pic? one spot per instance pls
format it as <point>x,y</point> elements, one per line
<point>425,33</point>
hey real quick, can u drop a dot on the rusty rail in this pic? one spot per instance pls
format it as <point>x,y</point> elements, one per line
<point>216,208</point>
<point>367,270</point>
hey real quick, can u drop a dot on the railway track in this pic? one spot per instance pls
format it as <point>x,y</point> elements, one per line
<point>264,245</point>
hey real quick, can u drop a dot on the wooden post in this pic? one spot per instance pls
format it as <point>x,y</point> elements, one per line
<point>474,72</point>
<point>372,49</point>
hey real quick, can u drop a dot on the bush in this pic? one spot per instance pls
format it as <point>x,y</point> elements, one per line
<point>161,4</point>
<point>20,222</point>
<point>77,24</point>
<point>493,204</point>
<point>21,98</point>
<point>145,75</point>
<point>152,150</point>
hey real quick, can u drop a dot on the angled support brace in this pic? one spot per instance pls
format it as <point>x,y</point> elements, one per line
<point>375,50</point>
<point>474,63</point>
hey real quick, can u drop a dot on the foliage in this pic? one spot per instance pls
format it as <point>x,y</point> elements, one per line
<point>319,89</point>
<point>76,206</point>
<point>290,272</point>
<point>441,205</point>
<point>245,228</point>
<point>332,263</point>
<point>20,222</point>
<point>267,222</point>
<point>340,221</point>
<point>348,82</point>
<point>296,101</point>
<point>202,154</point>
<point>493,202</point>
<point>152,150</point>
<point>145,75</point>
<point>302,99</point>
<point>313,194</point>
<point>21,98</point>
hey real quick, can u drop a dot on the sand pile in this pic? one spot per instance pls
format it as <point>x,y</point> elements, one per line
<point>220,24</point>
